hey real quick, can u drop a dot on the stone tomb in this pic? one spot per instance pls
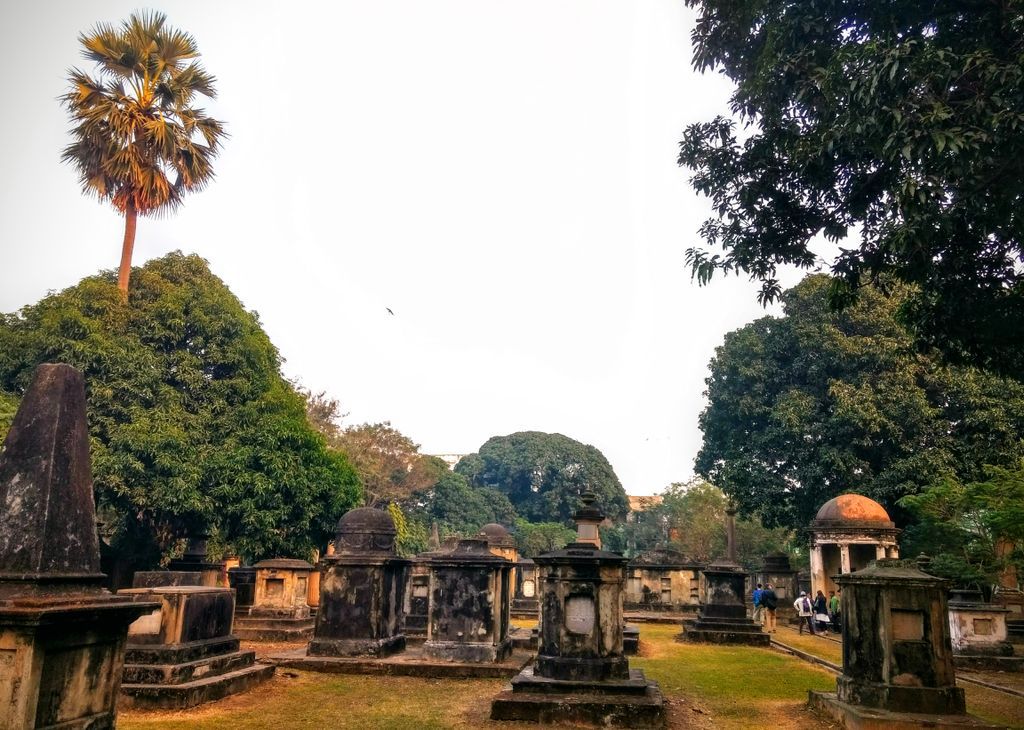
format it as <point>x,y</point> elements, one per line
<point>183,654</point>
<point>469,604</point>
<point>662,580</point>
<point>417,600</point>
<point>279,611</point>
<point>979,635</point>
<point>197,560</point>
<point>62,635</point>
<point>777,572</point>
<point>897,657</point>
<point>362,587</point>
<point>723,615</point>
<point>525,603</point>
<point>243,580</point>
<point>847,533</point>
<point>159,578</point>
<point>581,674</point>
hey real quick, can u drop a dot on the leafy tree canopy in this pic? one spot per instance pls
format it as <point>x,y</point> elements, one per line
<point>139,140</point>
<point>388,462</point>
<point>460,508</point>
<point>8,407</point>
<point>816,403</point>
<point>899,123</point>
<point>963,527</point>
<point>537,538</point>
<point>544,474</point>
<point>691,519</point>
<point>192,424</point>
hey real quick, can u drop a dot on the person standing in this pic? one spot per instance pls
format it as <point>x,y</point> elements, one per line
<point>820,608</point>
<point>834,611</point>
<point>758,605</point>
<point>805,612</point>
<point>770,602</point>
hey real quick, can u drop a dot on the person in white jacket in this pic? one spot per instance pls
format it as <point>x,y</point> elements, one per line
<point>805,611</point>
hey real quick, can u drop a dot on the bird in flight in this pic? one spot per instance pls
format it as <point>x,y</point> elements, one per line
<point>389,311</point>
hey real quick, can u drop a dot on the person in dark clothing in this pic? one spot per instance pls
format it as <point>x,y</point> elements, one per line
<point>770,602</point>
<point>820,608</point>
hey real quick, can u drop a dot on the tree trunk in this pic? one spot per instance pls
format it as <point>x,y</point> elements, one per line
<point>125,272</point>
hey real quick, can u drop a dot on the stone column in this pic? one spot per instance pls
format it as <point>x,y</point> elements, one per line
<point>880,553</point>
<point>730,532</point>
<point>844,557</point>
<point>817,569</point>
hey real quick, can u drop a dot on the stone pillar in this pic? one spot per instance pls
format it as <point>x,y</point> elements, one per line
<point>581,673</point>
<point>880,553</point>
<point>62,635</point>
<point>817,569</point>
<point>362,587</point>
<point>897,655</point>
<point>844,557</point>
<point>469,605</point>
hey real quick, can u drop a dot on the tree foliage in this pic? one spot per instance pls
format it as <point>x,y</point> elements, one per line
<point>961,525</point>
<point>192,425</point>
<point>388,462</point>
<point>138,140</point>
<point>899,123</point>
<point>458,507</point>
<point>537,538</point>
<point>544,474</point>
<point>8,407</point>
<point>816,403</point>
<point>691,519</point>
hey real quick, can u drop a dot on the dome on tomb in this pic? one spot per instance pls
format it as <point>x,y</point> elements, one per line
<point>852,509</point>
<point>497,535</point>
<point>365,530</point>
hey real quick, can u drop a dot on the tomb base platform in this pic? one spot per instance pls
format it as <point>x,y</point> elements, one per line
<point>525,608</point>
<point>629,702</point>
<point>724,631</point>
<point>530,639</point>
<point>358,647</point>
<point>989,662</point>
<point>411,663</point>
<point>659,617</point>
<point>856,717</point>
<point>255,627</point>
<point>179,676</point>
<point>459,652</point>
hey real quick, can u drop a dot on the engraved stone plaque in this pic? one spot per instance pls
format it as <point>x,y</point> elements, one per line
<point>983,626</point>
<point>528,588</point>
<point>907,625</point>
<point>579,614</point>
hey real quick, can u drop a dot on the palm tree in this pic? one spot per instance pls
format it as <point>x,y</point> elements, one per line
<point>138,141</point>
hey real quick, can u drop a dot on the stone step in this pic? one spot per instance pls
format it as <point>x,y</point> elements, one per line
<point>196,692</point>
<point>180,653</point>
<point>180,673</point>
<point>274,630</point>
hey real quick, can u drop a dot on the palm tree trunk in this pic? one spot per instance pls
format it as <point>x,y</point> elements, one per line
<point>125,271</point>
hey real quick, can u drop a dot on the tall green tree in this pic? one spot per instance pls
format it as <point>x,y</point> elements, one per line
<point>193,426</point>
<point>544,474</point>
<point>895,124</point>
<point>460,508</point>
<point>962,525</point>
<point>807,406</point>
<point>139,141</point>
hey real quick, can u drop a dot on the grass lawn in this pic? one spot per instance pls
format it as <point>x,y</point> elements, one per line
<point>707,687</point>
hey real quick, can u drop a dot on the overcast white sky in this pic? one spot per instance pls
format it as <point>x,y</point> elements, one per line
<point>500,174</point>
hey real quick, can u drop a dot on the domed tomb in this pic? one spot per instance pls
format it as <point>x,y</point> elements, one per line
<point>365,530</point>
<point>848,532</point>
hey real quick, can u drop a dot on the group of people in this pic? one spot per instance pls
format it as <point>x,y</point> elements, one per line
<point>818,614</point>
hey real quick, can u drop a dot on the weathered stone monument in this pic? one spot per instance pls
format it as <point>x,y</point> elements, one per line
<point>362,587</point>
<point>197,560</point>
<point>416,612</point>
<point>581,673</point>
<point>847,533</point>
<point>525,603</point>
<point>662,580</point>
<point>897,658</point>
<point>62,635</point>
<point>243,580</point>
<point>469,604</point>
<point>183,653</point>
<point>279,611</point>
<point>777,572</point>
<point>979,634</point>
<point>723,614</point>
